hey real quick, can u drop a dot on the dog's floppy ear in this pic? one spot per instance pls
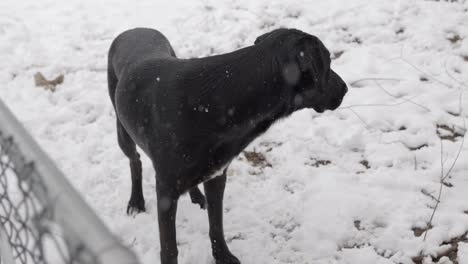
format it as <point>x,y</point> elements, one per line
<point>304,59</point>
<point>267,35</point>
<point>313,59</point>
<point>304,53</point>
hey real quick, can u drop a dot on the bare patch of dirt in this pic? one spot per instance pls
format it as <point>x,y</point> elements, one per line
<point>416,147</point>
<point>423,79</point>
<point>448,133</point>
<point>318,162</point>
<point>453,113</point>
<point>447,184</point>
<point>365,163</point>
<point>257,159</point>
<point>454,38</point>
<point>418,231</point>
<point>357,40</point>
<point>357,225</point>
<point>450,252</point>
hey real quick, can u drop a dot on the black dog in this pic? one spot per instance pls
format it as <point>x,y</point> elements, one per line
<point>193,116</point>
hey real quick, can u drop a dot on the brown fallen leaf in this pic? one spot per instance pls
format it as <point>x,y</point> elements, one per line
<point>41,81</point>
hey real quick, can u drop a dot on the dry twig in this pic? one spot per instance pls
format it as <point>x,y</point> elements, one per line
<point>443,175</point>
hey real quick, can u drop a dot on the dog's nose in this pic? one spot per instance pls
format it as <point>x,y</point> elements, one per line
<point>344,88</point>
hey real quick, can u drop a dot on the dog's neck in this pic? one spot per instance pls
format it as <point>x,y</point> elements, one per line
<point>251,81</point>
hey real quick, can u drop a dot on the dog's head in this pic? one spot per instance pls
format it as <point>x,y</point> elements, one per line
<point>305,67</point>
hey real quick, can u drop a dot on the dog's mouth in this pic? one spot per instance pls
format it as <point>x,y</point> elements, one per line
<point>319,109</point>
<point>336,103</point>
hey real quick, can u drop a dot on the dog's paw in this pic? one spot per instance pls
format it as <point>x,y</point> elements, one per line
<point>135,207</point>
<point>227,258</point>
<point>198,198</point>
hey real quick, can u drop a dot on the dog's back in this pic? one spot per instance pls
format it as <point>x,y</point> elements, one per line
<point>136,45</point>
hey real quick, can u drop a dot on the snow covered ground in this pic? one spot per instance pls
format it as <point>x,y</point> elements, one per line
<point>356,185</point>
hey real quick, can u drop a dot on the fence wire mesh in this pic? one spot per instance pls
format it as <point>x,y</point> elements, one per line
<point>43,220</point>
<point>29,225</point>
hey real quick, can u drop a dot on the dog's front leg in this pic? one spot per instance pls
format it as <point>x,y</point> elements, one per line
<point>167,210</point>
<point>214,191</point>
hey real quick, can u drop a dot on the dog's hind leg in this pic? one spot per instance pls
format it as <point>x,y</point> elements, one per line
<point>197,197</point>
<point>136,204</point>
<point>214,191</point>
<point>137,201</point>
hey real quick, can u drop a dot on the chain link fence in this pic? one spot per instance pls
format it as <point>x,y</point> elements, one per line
<point>43,219</point>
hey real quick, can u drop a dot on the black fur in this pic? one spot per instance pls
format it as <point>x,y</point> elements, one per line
<point>193,116</point>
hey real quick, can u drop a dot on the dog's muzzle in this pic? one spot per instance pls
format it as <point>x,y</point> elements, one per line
<point>340,89</point>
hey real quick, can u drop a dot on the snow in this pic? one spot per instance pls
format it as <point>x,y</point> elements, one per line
<point>463,252</point>
<point>346,186</point>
